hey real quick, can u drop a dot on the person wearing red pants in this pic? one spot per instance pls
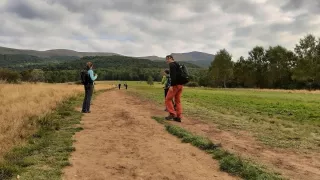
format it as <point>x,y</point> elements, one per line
<point>174,92</point>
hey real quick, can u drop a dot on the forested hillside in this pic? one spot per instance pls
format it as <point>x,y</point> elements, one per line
<point>107,67</point>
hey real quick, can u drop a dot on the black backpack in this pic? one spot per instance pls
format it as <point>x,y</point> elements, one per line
<point>182,74</point>
<point>85,79</point>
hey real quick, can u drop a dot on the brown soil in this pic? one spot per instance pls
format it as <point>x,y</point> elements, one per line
<point>121,141</point>
<point>289,163</point>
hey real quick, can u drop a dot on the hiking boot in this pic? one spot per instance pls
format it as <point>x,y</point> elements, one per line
<point>170,117</point>
<point>177,119</point>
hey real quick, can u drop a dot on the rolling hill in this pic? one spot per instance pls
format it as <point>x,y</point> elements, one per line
<point>53,52</point>
<point>198,58</point>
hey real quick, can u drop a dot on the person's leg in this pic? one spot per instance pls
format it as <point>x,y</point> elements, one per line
<point>165,95</point>
<point>84,104</point>
<point>169,104</point>
<point>90,92</point>
<point>177,100</point>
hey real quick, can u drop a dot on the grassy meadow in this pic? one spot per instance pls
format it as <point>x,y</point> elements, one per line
<point>278,118</point>
<point>37,122</point>
<point>23,104</point>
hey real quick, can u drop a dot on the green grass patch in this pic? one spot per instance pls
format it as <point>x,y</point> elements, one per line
<point>279,119</point>
<point>230,163</point>
<point>47,151</point>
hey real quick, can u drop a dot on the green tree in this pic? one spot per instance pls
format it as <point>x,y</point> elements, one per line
<point>280,66</point>
<point>9,76</point>
<point>257,57</point>
<point>150,80</point>
<point>308,63</point>
<point>243,73</point>
<point>26,75</point>
<point>221,68</point>
<point>37,75</point>
<point>204,78</point>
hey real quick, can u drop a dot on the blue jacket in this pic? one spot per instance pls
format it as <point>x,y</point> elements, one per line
<point>90,72</point>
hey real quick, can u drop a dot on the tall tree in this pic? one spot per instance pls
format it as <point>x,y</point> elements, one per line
<point>308,64</point>
<point>243,73</point>
<point>280,63</point>
<point>221,67</point>
<point>257,57</point>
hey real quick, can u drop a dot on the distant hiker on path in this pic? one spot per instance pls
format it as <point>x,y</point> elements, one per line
<point>126,85</point>
<point>87,79</point>
<point>166,81</point>
<point>119,85</point>
<point>179,76</point>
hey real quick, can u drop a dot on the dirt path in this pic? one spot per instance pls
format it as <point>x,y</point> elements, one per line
<point>121,141</point>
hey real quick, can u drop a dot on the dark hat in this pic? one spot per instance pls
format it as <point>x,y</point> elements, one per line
<point>169,57</point>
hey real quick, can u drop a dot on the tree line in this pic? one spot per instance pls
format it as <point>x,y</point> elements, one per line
<point>62,76</point>
<point>275,67</point>
<point>108,68</point>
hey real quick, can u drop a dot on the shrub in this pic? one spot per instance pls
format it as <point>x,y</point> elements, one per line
<point>9,76</point>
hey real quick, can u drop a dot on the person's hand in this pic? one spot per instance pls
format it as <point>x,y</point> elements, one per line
<point>171,88</point>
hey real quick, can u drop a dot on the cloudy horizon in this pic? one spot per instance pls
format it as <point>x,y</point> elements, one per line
<point>154,27</point>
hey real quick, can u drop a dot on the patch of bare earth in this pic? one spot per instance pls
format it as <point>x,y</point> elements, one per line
<point>291,164</point>
<point>121,141</point>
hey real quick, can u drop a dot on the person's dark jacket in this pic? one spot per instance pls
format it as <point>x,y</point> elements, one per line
<point>174,74</point>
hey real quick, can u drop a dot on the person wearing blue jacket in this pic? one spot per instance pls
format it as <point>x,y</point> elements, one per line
<point>88,87</point>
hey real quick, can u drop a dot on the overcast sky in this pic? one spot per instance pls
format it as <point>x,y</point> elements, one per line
<point>156,27</point>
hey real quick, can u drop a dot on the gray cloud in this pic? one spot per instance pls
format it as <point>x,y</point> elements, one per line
<point>293,5</point>
<point>30,10</point>
<point>154,27</point>
<point>24,10</point>
<point>309,6</point>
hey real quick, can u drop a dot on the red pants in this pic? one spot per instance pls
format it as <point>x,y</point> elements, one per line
<point>176,94</point>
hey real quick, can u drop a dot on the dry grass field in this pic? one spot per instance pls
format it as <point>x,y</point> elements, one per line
<point>21,104</point>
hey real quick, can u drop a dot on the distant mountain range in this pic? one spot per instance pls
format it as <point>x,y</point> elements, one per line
<point>198,58</point>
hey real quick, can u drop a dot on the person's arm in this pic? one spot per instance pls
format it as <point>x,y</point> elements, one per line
<point>163,79</point>
<point>91,75</point>
<point>173,74</point>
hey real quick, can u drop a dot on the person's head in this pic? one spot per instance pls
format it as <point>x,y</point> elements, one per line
<point>89,65</point>
<point>166,71</point>
<point>169,59</point>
